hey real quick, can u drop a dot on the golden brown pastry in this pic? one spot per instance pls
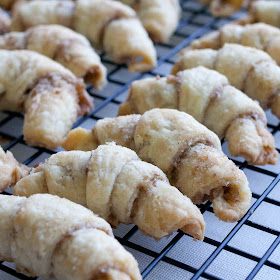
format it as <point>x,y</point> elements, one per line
<point>109,25</point>
<point>159,17</point>
<point>223,7</point>
<point>259,35</point>
<point>114,183</point>
<point>5,22</point>
<point>48,236</point>
<point>252,71</point>
<point>207,96</point>
<point>184,149</point>
<point>63,45</point>
<point>10,170</point>
<point>265,11</point>
<point>50,96</point>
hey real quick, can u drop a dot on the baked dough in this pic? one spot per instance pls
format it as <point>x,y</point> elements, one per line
<point>259,35</point>
<point>5,22</point>
<point>63,45</point>
<point>251,70</point>
<point>223,7</point>
<point>50,96</point>
<point>265,11</point>
<point>207,96</point>
<point>184,149</point>
<point>115,184</point>
<point>10,170</point>
<point>159,17</point>
<point>109,25</point>
<point>48,236</point>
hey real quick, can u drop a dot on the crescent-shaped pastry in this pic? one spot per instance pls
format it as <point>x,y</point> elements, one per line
<point>251,70</point>
<point>48,236</point>
<point>49,95</point>
<point>114,183</point>
<point>207,96</point>
<point>184,149</point>
<point>109,25</point>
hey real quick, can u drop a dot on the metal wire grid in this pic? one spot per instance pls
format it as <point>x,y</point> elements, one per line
<point>244,250</point>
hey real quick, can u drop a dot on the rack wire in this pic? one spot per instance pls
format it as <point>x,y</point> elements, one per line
<point>248,249</point>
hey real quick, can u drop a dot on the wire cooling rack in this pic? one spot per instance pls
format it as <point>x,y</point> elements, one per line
<point>244,250</point>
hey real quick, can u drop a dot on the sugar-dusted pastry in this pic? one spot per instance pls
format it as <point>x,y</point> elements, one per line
<point>63,45</point>
<point>207,96</point>
<point>265,11</point>
<point>259,35</point>
<point>52,237</point>
<point>50,96</point>
<point>223,7</point>
<point>5,22</point>
<point>115,184</point>
<point>251,70</point>
<point>159,17</point>
<point>10,170</point>
<point>184,149</point>
<point>109,25</point>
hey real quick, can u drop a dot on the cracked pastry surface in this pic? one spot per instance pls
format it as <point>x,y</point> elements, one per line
<point>10,170</point>
<point>207,96</point>
<point>109,25</point>
<point>181,147</point>
<point>114,183</point>
<point>251,70</point>
<point>63,45</point>
<point>48,236</point>
<point>159,17</point>
<point>48,94</point>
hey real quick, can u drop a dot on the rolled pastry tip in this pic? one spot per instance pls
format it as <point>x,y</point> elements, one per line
<point>259,35</point>
<point>10,170</point>
<point>160,18</point>
<point>266,11</point>
<point>63,45</point>
<point>117,30</point>
<point>51,97</point>
<point>5,22</point>
<point>259,76</point>
<point>184,149</point>
<point>114,183</point>
<point>207,96</point>
<point>222,8</point>
<point>48,236</point>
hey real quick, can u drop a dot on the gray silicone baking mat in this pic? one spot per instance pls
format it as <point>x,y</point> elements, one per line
<point>245,250</point>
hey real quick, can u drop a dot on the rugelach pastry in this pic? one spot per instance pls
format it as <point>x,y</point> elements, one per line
<point>159,17</point>
<point>48,94</point>
<point>63,45</point>
<point>10,170</point>
<point>115,184</point>
<point>52,237</point>
<point>109,25</point>
<point>185,150</point>
<point>207,96</point>
<point>250,70</point>
<point>259,35</point>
